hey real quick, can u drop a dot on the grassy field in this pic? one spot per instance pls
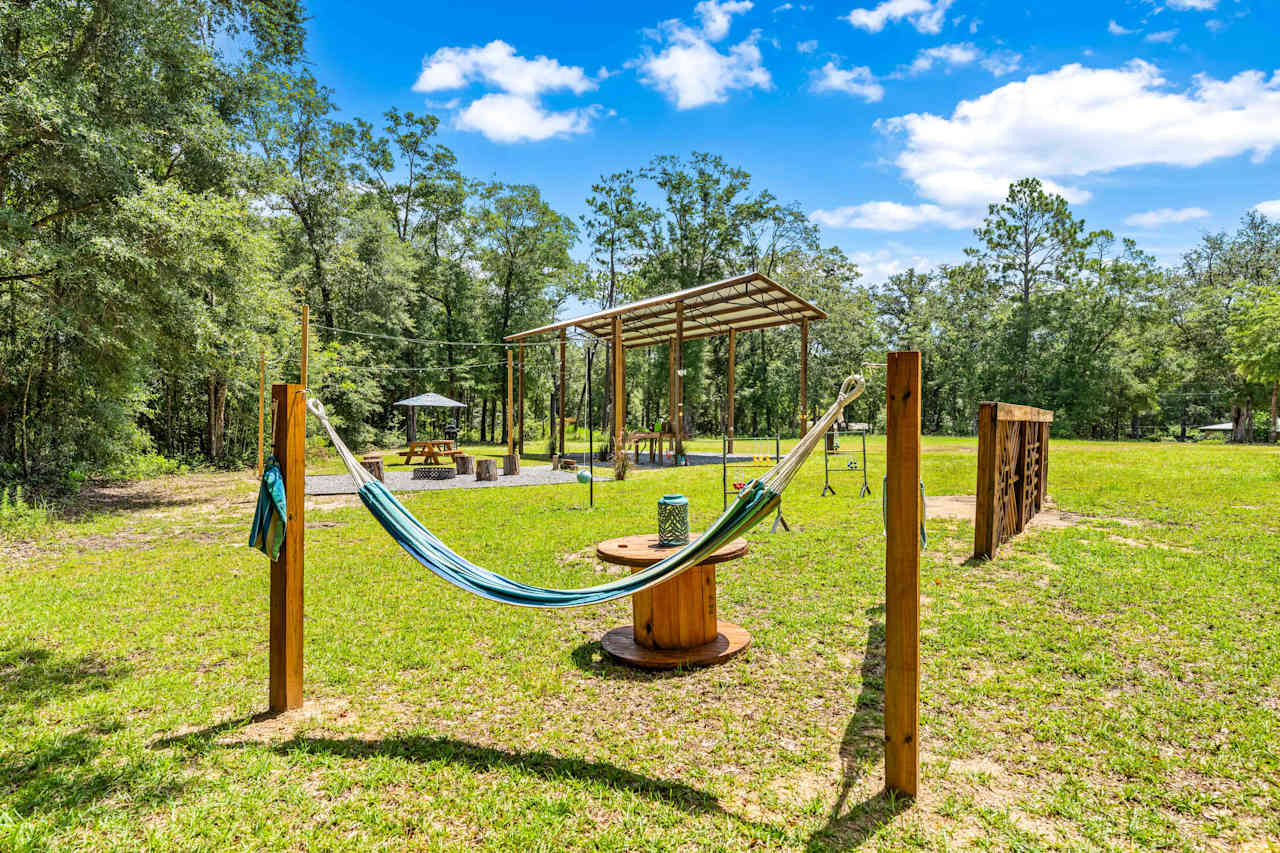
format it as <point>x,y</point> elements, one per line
<point>1110,680</point>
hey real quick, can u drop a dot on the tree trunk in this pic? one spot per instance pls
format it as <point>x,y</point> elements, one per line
<point>217,421</point>
<point>1241,423</point>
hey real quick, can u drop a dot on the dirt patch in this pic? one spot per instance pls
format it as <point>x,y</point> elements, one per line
<point>964,507</point>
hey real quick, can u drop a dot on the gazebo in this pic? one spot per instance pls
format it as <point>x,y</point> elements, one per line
<point>741,304</point>
<point>428,399</point>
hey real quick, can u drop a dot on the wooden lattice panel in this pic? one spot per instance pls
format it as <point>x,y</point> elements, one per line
<point>1013,451</point>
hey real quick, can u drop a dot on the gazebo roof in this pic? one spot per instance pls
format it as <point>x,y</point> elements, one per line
<point>745,303</point>
<point>431,399</point>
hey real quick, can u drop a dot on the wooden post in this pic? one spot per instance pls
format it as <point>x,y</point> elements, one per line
<point>290,438</point>
<point>619,380</point>
<point>262,415</point>
<point>671,384</point>
<point>306,335</point>
<point>733,340</point>
<point>1275,387</point>
<point>902,574</point>
<point>520,406</point>
<point>563,389</point>
<point>984,520</point>
<point>510,404</point>
<point>679,424</point>
<point>804,376</point>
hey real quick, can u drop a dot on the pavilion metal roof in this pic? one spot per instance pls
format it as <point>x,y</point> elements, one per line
<point>744,303</point>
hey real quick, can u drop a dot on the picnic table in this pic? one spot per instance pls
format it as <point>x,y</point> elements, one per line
<point>655,440</point>
<point>433,452</point>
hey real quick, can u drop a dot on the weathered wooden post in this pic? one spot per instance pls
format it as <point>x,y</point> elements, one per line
<point>903,517</point>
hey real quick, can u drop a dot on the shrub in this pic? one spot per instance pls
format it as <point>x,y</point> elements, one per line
<point>20,518</point>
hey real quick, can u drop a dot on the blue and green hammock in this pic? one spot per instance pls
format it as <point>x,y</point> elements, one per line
<point>757,501</point>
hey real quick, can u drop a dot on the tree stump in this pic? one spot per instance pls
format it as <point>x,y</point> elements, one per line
<point>486,469</point>
<point>510,464</point>
<point>372,463</point>
<point>465,464</point>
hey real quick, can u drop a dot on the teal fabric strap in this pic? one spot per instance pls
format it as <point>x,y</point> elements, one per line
<point>269,517</point>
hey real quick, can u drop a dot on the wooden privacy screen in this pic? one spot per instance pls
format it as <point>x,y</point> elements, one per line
<point>1013,463</point>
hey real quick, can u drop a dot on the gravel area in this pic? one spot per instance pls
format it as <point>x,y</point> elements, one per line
<point>402,481</point>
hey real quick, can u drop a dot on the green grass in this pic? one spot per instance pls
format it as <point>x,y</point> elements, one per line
<point>1112,684</point>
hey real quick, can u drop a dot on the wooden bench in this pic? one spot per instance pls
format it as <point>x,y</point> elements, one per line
<point>433,452</point>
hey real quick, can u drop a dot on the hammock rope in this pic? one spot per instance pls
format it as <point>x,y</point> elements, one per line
<point>757,500</point>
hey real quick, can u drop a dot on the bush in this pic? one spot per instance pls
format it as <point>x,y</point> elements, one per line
<point>20,518</point>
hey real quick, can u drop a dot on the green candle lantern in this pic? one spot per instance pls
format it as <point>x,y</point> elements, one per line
<point>673,520</point>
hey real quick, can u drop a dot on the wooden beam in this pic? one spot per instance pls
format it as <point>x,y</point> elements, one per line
<point>729,402</point>
<point>804,376</point>
<point>285,632</point>
<point>619,381</point>
<point>679,424</point>
<point>511,435</point>
<point>563,344</point>
<point>1014,412</point>
<point>520,409</point>
<point>671,384</point>
<point>903,517</point>
<point>984,514</point>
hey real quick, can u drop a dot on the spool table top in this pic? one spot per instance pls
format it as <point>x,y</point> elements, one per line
<point>643,550</point>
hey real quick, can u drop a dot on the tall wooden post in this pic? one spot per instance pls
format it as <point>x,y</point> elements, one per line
<point>804,376</point>
<point>985,535</point>
<point>290,439</point>
<point>619,379</point>
<point>729,403</point>
<point>903,516</point>
<point>671,384</point>
<point>262,415</point>
<point>520,409</point>
<point>563,389</point>
<point>679,425</point>
<point>511,436</point>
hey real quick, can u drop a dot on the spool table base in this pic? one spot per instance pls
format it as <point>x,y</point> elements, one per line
<point>729,642</point>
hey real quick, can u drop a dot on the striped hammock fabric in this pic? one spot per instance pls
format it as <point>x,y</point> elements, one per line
<point>755,502</point>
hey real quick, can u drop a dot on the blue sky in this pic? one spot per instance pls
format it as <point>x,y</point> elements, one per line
<point>893,123</point>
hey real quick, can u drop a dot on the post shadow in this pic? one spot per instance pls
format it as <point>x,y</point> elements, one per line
<point>863,741</point>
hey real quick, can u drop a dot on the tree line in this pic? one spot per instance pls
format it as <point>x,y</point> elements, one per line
<point>167,203</point>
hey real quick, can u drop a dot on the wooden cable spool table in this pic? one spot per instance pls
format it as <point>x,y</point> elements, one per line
<point>674,623</point>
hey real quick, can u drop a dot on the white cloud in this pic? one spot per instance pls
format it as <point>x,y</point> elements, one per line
<point>716,17</point>
<point>785,7</point>
<point>945,54</point>
<point>961,54</point>
<point>692,73</point>
<point>1215,25</point>
<point>1117,30</point>
<point>1079,121</point>
<point>891,216</point>
<point>1165,216</point>
<point>1161,37</point>
<point>512,118</point>
<point>1193,5</point>
<point>1269,209</point>
<point>807,46</point>
<point>857,81</point>
<point>498,65</point>
<point>514,113</point>
<point>878,265</point>
<point>927,16</point>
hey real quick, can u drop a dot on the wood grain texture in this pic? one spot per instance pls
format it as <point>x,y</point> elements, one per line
<point>678,426</point>
<point>804,376</point>
<point>643,550</point>
<point>729,641</point>
<point>511,445</point>
<point>1015,412</point>
<point>285,631</point>
<point>902,574</point>
<point>563,388</point>
<point>984,529</point>
<point>619,385</point>
<point>520,407</point>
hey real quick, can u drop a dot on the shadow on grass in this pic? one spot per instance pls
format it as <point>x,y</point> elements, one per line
<point>32,677</point>
<point>591,658</point>
<point>52,775</point>
<point>847,825</point>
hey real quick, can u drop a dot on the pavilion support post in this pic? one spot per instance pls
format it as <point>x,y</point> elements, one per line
<point>679,424</point>
<point>511,435</point>
<point>804,376</point>
<point>903,517</point>
<point>285,625</point>
<point>520,407</point>
<point>563,389</point>
<point>729,401</point>
<point>619,391</point>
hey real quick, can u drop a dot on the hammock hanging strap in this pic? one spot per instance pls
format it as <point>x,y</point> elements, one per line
<point>756,501</point>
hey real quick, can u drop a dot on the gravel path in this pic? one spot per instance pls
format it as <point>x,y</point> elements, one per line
<point>402,481</point>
